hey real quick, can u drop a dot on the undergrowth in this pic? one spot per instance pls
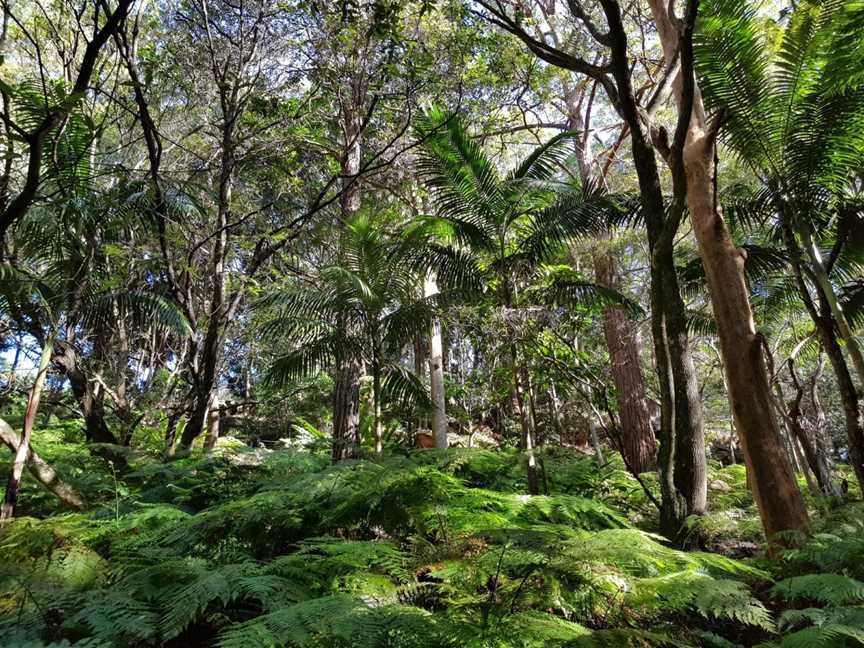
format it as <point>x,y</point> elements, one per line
<point>428,549</point>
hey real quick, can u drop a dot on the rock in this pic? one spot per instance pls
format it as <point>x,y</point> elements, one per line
<point>720,486</point>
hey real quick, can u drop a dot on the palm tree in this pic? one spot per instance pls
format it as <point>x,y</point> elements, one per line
<point>70,285</point>
<point>509,224</point>
<point>365,307</point>
<point>795,115</point>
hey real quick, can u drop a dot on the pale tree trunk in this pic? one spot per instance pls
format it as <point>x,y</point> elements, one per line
<point>830,297</point>
<point>22,452</point>
<point>780,503</point>
<point>822,442</point>
<point>436,374</point>
<point>520,375</point>
<point>218,307</point>
<point>681,459</point>
<point>377,424</point>
<point>41,471</point>
<point>213,420</point>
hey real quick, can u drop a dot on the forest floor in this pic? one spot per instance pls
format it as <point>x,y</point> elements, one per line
<point>416,549</point>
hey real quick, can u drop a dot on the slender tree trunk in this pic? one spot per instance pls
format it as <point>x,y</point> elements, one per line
<point>377,429</point>
<point>218,309</point>
<point>638,440</point>
<point>23,451</point>
<point>823,444</point>
<point>436,374</point>
<point>775,492</point>
<point>41,471</point>
<point>830,300</point>
<point>682,443</point>
<point>821,315</point>
<point>525,423</point>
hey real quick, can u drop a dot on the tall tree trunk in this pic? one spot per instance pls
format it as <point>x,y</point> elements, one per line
<point>637,441</point>
<point>346,390</point>
<point>218,307</point>
<point>436,374</point>
<point>23,451</point>
<point>824,445</point>
<point>829,299</point>
<point>683,477</point>
<point>780,504</point>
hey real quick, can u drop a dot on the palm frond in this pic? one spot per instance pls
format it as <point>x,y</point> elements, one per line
<point>402,388</point>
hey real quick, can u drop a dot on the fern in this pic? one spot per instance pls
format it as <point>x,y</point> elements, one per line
<point>832,589</point>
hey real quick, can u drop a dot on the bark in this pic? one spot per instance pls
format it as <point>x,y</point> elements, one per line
<point>67,359</point>
<point>682,443</point>
<point>638,441</point>
<point>682,436</point>
<point>780,503</point>
<point>774,490</point>
<point>205,381</point>
<point>213,418</point>
<point>346,411</point>
<point>824,446</point>
<point>22,452</point>
<point>831,304</point>
<point>346,394</point>
<point>41,470</point>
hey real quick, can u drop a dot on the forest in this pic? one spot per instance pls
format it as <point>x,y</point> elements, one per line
<point>432,323</point>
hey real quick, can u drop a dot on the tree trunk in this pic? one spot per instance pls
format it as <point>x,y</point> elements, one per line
<point>213,419</point>
<point>346,411</point>
<point>346,391</point>
<point>377,429</point>
<point>820,313</point>
<point>823,443</point>
<point>638,441</point>
<point>96,430</point>
<point>436,374</point>
<point>780,504</point>
<point>22,452</point>
<point>829,299</point>
<point>817,467</point>
<point>527,432</point>
<point>774,489</point>
<point>41,471</point>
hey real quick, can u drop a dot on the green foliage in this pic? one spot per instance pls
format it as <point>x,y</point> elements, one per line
<point>433,549</point>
